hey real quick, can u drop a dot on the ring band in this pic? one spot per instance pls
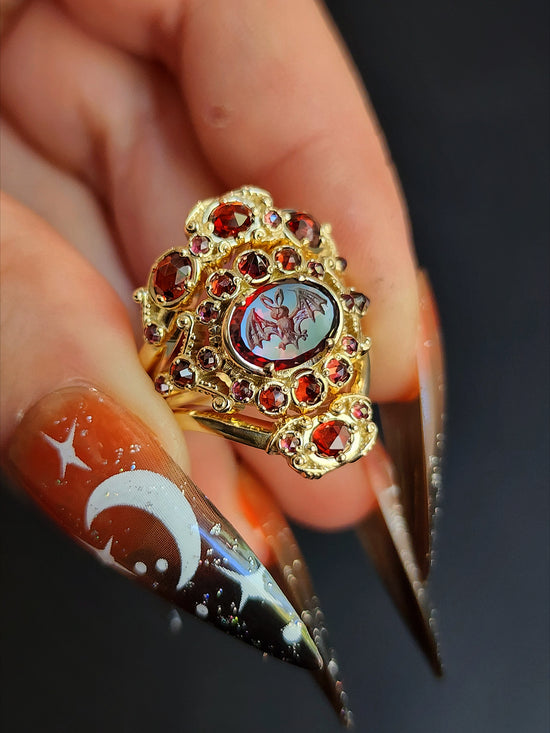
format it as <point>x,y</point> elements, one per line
<point>252,334</point>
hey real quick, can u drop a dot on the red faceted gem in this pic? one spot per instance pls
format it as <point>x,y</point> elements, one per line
<point>230,219</point>
<point>207,312</point>
<point>308,389</point>
<point>172,275</point>
<point>272,398</point>
<point>207,358</point>
<point>350,345</point>
<point>161,385</point>
<point>331,438</point>
<point>152,333</point>
<point>316,269</point>
<point>242,390</point>
<point>360,410</point>
<point>182,374</point>
<point>288,258</point>
<point>289,443</point>
<point>348,301</point>
<point>199,245</point>
<point>303,226</point>
<point>272,218</point>
<point>337,371</point>
<point>253,264</point>
<point>360,301</point>
<point>222,283</point>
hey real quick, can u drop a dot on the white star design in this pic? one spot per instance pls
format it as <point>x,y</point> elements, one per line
<point>255,585</point>
<point>65,449</point>
<point>106,557</point>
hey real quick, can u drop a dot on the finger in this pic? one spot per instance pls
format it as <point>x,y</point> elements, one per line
<point>278,104</point>
<point>90,461</point>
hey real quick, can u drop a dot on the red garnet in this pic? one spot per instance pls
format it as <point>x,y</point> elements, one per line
<point>207,358</point>
<point>172,274</point>
<point>360,301</point>
<point>348,301</point>
<point>350,345</point>
<point>337,371</point>
<point>331,438</point>
<point>182,374</point>
<point>207,312</point>
<point>161,385</point>
<point>289,443</point>
<point>304,227</point>
<point>222,283</point>
<point>199,245</point>
<point>308,389</point>
<point>287,258</point>
<point>316,269</point>
<point>272,398</point>
<point>360,410</point>
<point>253,264</point>
<point>272,218</point>
<point>230,219</point>
<point>242,390</point>
<point>153,334</point>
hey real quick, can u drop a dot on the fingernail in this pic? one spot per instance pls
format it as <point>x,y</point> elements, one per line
<point>100,474</point>
<point>287,565</point>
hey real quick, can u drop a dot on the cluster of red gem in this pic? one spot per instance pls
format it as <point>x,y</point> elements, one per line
<point>305,229</point>
<point>360,411</point>
<point>331,438</point>
<point>253,264</point>
<point>222,284</point>
<point>242,390</point>
<point>229,220</point>
<point>289,443</point>
<point>172,275</point>
<point>207,312</point>
<point>350,345</point>
<point>207,358</point>
<point>199,245</point>
<point>287,258</point>
<point>272,398</point>
<point>338,371</point>
<point>153,334</point>
<point>182,374</point>
<point>308,389</point>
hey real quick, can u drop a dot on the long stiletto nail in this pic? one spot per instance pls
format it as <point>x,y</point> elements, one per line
<point>101,475</point>
<point>288,566</point>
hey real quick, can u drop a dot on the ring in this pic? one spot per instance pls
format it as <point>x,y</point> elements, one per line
<point>251,333</point>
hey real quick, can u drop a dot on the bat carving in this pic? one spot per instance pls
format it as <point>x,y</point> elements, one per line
<point>282,323</point>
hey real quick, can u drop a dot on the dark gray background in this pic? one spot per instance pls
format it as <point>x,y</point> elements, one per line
<point>462,93</point>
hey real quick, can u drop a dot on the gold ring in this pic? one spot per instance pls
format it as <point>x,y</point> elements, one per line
<point>252,334</point>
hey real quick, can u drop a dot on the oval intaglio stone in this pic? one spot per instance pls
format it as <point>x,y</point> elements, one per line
<point>286,323</point>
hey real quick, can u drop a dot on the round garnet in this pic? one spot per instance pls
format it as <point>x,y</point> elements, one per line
<point>230,219</point>
<point>360,410</point>
<point>207,311</point>
<point>172,275</point>
<point>272,218</point>
<point>350,345</point>
<point>272,398</point>
<point>242,390</point>
<point>331,438</point>
<point>207,358</point>
<point>199,245</point>
<point>308,389</point>
<point>161,385</point>
<point>222,284</point>
<point>316,269</point>
<point>182,374</point>
<point>360,301</point>
<point>289,443</point>
<point>153,334</point>
<point>287,258</point>
<point>338,371</point>
<point>304,227</point>
<point>253,264</point>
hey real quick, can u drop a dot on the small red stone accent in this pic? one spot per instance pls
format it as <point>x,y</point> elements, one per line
<point>242,390</point>
<point>182,374</point>
<point>360,411</point>
<point>287,258</point>
<point>222,284</point>
<point>331,438</point>
<point>337,371</point>
<point>350,345</point>
<point>172,275</point>
<point>303,226</point>
<point>309,389</point>
<point>253,264</point>
<point>348,301</point>
<point>207,312</point>
<point>230,219</point>
<point>199,245</point>
<point>316,269</point>
<point>360,301</point>
<point>289,443</point>
<point>161,385</point>
<point>272,398</point>
<point>152,333</point>
<point>207,358</point>
<point>272,219</point>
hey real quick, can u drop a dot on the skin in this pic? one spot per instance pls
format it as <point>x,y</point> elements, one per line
<point>118,116</point>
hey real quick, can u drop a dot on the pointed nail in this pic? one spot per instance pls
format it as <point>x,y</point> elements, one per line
<point>413,432</point>
<point>288,566</point>
<point>101,476</point>
<point>386,537</point>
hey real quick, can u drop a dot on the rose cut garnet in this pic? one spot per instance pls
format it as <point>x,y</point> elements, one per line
<point>199,245</point>
<point>242,390</point>
<point>207,358</point>
<point>331,438</point>
<point>309,389</point>
<point>316,269</point>
<point>222,283</point>
<point>289,443</point>
<point>207,312</point>
<point>348,301</point>
<point>253,264</point>
<point>172,275</point>
<point>153,334</point>
<point>337,371</point>
<point>360,301</point>
<point>272,218</point>
<point>350,345</point>
<point>272,398</point>
<point>287,258</point>
<point>182,374</point>
<point>230,219</point>
<point>360,410</point>
<point>304,227</point>
<point>161,385</point>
